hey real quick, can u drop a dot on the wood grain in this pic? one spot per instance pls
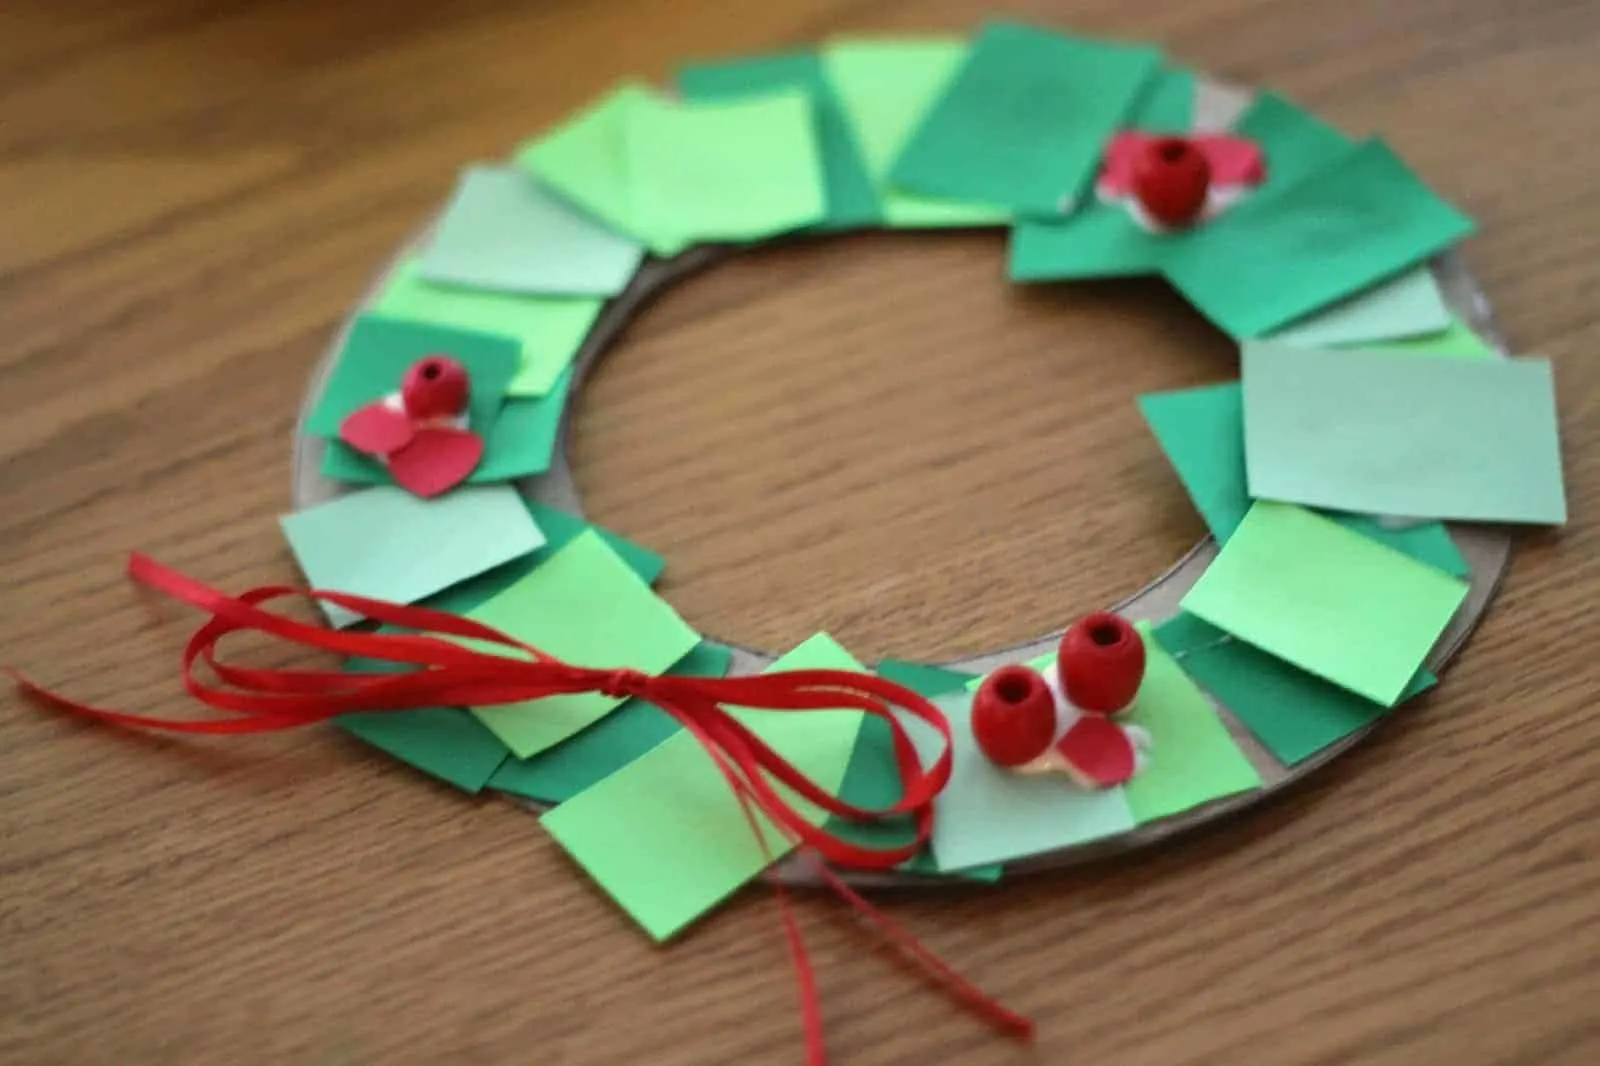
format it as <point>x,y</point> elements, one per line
<point>873,434</point>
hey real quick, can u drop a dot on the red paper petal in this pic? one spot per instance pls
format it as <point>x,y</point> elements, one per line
<point>1234,160</point>
<point>1116,174</point>
<point>1097,752</point>
<point>376,429</point>
<point>437,460</point>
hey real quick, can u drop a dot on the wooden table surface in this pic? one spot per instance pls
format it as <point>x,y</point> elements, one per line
<point>872,434</point>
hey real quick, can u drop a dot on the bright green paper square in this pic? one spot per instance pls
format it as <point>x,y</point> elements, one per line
<point>851,200</point>
<point>380,349</point>
<point>1025,120</point>
<point>548,330</point>
<point>1278,256</point>
<point>730,170</point>
<point>1456,341</point>
<point>1192,759</point>
<point>561,772</point>
<point>1330,601</point>
<point>1295,714</point>
<point>666,837</point>
<point>386,544</point>
<point>886,87</point>
<point>1202,432</point>
<point>585,605</point>
<point>505,232</point>
<point>1423,437</point>
<point>1409,305</point>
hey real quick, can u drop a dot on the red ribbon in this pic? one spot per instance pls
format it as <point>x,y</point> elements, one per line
<point>449,673</point>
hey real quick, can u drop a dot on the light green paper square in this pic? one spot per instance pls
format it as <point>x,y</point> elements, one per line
<point>886,87</point>
<point>666,837</point>
<point>1278,256</point>
<point>1025,119</point>
<point>1192,758</point>
<point>584,604</point>
<point>504,232</point>
<point>726,170</point>
<point>1456,341</point>
<point>1330,601</point>
<point>1422,437</point>
<point>1409,305</point>
<point>384,543</point>
<point>549,330</point>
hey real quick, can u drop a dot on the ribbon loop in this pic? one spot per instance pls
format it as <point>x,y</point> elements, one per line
<point>624,684</point>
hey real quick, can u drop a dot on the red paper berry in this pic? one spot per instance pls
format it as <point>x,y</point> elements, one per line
<point>1013,716</point>
<point>1170,179</point>
<point>1096,753</point>
<point>436,386</point>
<point>1101,663</point>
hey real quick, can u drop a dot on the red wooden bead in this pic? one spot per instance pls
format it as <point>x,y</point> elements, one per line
<point>1013,716</point>
<point>436,386</point>
<point>1171,178</point>
<point>1101,663</point>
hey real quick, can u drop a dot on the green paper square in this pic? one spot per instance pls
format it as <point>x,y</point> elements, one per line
<point>1025,120</point>
<point>667,838</point>
<point>561,772</point>
<point>505,232</point>
<point>1424,437</point>
<point>928,681</point>
<point>548,330</point>
<point>443,742</point>
<point>1100,241</point>
<point>380,349</point>
<point>1192,758</point>
<point>1297,143</point>
<point>851,200</point>
<point>385,543</point>
<point>1409,305</point>
<point>585,605</point>
<point>1330,601</point>
<point>1295,714</point>
<point>1278,256</point>
<point>1165,104</point>
<point>1202,432</point>
<point>730,170</point>
<point>1455,340</point>
<point>885,88</point>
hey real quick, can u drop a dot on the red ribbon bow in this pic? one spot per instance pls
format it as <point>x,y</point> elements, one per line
<point>450,673</point>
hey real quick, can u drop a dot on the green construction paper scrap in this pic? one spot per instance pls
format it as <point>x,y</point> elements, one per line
<point>1295,714</point>
<point>886,87</point>
<point>987,814</point>
<point>1099,241</point>
<point>387,544</point>
<point>548,330</point>
<point>1025,120</point>
<point>1277,256</point>
<point>522,443</point>
<point>1304,588</point>
<point>558,774</point>
<point>380,349</point>
<point>1296,143</point>
<point>1202,432</point>
<point>585,605</point>
<point>726,170</point>
<point>1457,340</point>
<point>443,742</point>
<point>505,232</point>
<point>1409,305</point>
<point>667,838</point>
<point>1192,758</point>
<point>852,202</point>
<point>1423,437</point>
<point>1166,105</point>
<point>585,160</point>
<point>929,681</point>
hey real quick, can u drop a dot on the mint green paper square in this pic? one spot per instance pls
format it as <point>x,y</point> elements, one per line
<point>1025,120</point>
<point>1202,432</point>
<point>1350,610</point>
<point>548,330</point>
<point>380,349</point>
<point>384,543</point>
<point>1278,256</point>
<point>1295,714</point>
<point>584,605</point>
<point>505,232</point>
<point>667,838</point>
<point>851,200</point>
<point>561,772</point>
<point>1409,305</point>
<point>1455,340</point>
<point>885,87</point>
<point>1423,437</point>
<point>728,170</point>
